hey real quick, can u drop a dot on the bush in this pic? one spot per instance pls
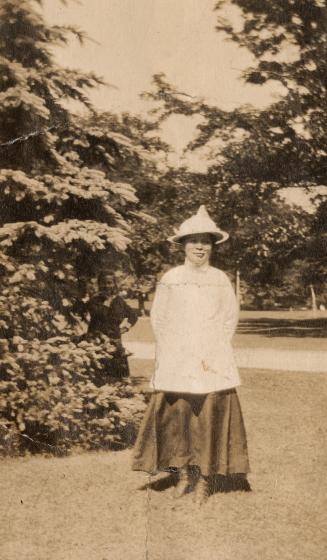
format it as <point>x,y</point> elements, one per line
<point>54,397</point>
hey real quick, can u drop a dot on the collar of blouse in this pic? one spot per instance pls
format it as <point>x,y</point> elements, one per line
<point>197,269</point>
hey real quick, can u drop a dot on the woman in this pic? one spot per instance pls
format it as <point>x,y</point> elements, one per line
<point>194,421</point>
<point>112,316</point>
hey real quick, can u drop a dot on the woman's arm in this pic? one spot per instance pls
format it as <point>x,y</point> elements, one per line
<point>231,310</point>
<point>125,315</point>
<point>158,313</point>
<point>130,314</point>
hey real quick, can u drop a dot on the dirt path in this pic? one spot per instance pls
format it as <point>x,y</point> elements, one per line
<point>288,353</point>
<point>266,358</point>
<point>93,507</point>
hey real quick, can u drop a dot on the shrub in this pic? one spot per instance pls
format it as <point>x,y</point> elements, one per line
<point>54,397</point>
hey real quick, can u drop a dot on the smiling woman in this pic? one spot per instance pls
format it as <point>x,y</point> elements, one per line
<point>198,248</point>
<point>194,421</point>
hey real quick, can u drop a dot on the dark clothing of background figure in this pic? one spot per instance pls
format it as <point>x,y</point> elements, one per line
<point>106,318</point>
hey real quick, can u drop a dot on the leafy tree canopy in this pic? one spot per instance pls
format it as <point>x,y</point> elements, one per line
<point>254,153</point>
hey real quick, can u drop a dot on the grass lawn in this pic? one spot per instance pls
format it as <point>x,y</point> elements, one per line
<point>93,507</point>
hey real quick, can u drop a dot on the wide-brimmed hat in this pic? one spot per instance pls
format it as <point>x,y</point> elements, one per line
<point>199,223</point>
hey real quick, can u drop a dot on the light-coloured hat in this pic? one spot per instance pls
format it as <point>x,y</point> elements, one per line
<point>199,223</point>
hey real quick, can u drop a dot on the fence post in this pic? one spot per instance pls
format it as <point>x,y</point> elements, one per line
<point>313,298</point>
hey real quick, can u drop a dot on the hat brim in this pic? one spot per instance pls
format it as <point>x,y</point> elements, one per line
<point>220,236</point>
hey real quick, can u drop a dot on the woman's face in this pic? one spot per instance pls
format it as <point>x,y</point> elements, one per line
<point>107,284</point>
<point>198,248</point>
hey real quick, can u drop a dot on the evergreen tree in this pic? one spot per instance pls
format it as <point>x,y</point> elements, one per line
<point>143,163</point>
<point>63,218</point>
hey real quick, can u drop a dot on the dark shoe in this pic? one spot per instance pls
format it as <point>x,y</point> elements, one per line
<point>201,491</point>
<point>182,484</point>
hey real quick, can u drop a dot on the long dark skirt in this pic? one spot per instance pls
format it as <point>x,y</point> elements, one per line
<point>186,429</point>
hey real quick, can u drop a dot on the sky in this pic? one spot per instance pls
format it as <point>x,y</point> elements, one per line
<point>134,39</point>
<point>130,40</point>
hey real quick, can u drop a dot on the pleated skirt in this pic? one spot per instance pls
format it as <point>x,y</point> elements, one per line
<point>206,431</point>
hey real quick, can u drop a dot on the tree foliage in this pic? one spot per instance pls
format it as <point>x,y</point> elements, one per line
<point>142,162</point>
<point>295,138</point>
<point>288,140</point>
<point>253,153</point>
<point>266,233</point>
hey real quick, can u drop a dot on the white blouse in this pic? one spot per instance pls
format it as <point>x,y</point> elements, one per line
<point>194,316</point>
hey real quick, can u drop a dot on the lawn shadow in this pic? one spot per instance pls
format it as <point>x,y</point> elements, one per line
<point>225,484</point>
<point>218,484</point>
<point>138,379</point>
<point>162,484</point>
<point>299,328</point>
<point>141,384</point>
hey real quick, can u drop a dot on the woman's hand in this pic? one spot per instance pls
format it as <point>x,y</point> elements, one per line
<point>124,326</point>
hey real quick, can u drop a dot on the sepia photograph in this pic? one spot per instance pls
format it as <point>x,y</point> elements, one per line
<point>163,279</point>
